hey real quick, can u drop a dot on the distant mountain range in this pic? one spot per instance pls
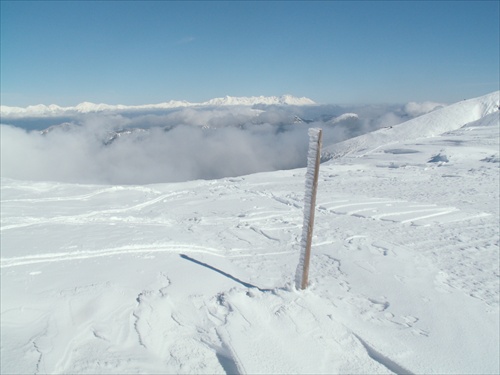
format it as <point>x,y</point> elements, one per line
<point>87,107</point>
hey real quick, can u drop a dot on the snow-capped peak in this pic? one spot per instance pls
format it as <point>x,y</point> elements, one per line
<point>87,107</point>
<point>252,100</point>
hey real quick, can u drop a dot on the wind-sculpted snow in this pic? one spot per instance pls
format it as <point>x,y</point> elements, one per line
<point>198,276</point>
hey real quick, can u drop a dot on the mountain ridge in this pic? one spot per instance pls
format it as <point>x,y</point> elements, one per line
<point>434,123</point>
<point>89,107</point>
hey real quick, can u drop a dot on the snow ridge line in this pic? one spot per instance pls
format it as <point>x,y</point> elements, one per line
<point>226,355</point>
<point>383,360</point>
<point>39,361</point>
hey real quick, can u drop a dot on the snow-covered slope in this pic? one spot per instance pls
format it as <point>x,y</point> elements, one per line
<point>197,277</point>
<point>87,107</point>
<point>431,124</point>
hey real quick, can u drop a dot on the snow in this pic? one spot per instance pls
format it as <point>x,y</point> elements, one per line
<point>446,119</point>
<point>197,277</point>
<point>253,100</point>
<point>88,107</point>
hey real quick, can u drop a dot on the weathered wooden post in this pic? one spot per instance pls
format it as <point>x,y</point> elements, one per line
<point>313,161</point>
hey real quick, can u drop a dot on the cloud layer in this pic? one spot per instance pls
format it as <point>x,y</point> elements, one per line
<point>179,145</point>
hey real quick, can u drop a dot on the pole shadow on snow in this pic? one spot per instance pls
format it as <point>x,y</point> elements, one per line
<point>245,284</point>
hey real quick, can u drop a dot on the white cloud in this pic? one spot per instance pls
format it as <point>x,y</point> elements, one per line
<point>186,40</point>
<point>417,109</point>
<point>179,145</point>
<point>78,154</point>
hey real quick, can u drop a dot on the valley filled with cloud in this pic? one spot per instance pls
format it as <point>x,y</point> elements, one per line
<point>124,145</point>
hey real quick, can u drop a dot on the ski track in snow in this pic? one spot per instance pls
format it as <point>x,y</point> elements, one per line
<point>79,255</point>
<point>83,218</point>
<point>400,211</point>
<point>378,209</point>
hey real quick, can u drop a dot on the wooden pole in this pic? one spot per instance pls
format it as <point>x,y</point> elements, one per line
<point>310,224</point>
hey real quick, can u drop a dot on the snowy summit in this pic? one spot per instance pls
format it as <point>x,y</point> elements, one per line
<point>87,107</point>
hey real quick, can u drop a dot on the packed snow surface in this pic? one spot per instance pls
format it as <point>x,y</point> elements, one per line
<point>197,277</point>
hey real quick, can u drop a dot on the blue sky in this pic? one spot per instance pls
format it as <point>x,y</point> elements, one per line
<point>332,51</point>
